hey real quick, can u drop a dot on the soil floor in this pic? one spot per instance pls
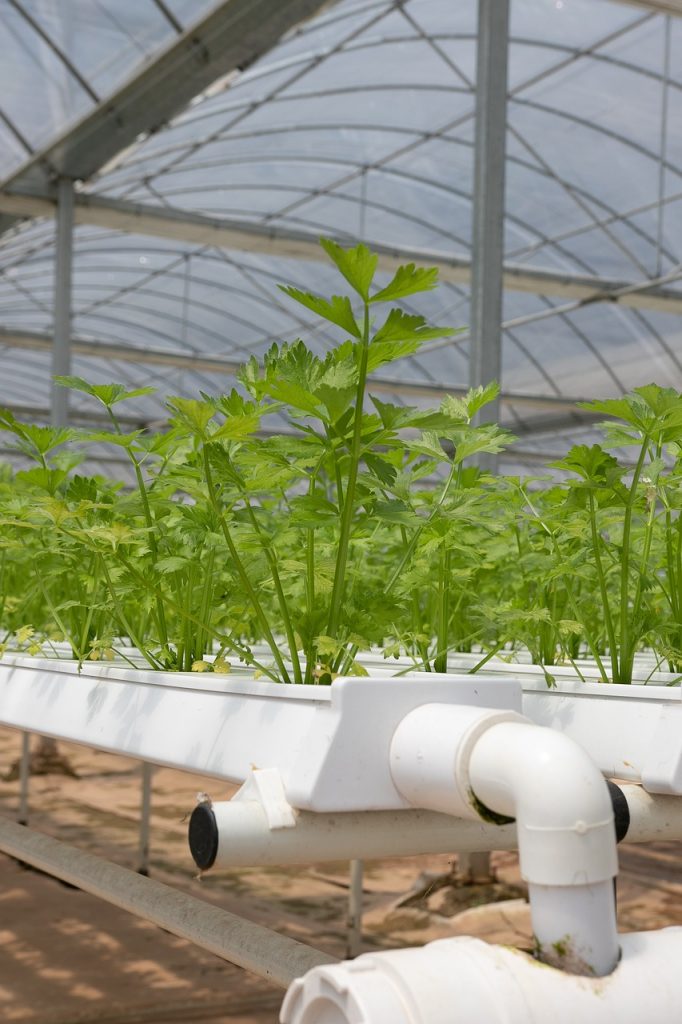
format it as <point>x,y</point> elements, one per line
<point>69,958</point>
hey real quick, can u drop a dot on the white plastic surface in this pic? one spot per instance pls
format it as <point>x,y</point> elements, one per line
<point>330,745</point>
<point>631,732</point>
<point>575,927</point>
<point>246,839</point>
<point>566,836</point>
<point>560,800</point>
<point>430,753</point>
<point>466,981</point>
<point>468,761</point>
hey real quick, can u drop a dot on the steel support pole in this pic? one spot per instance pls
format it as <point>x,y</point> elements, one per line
<point>61,354</point>
<point>145,812</point>
<point>24,776</point>
<point>354,935</point>
<point>485,346</point>
<point>251,946</point>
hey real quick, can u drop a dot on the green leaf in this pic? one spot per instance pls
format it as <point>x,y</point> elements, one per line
<point>296,397</point>
<point>389,352</point>
<point>427,444</point>
<point>35,439</point>
<point>242,418</point>
<point>475,399</point>
<point>395,511</point>
<point>107,394</point>
<point>109,437</point>
<point>401,326</point>
<point>174,563</point>
<point>489,438</point>
<point>312,510</point>
<point>407,281</point>
<point>381,469</point>
<point>45,479</point>
<point>191,414</point>
<point>393,417</point>
<point>593,464</point>
<point>358,265</point>
<point>337,311</point>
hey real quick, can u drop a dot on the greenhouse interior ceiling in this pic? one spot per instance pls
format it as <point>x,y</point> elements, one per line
<point>200,149</point>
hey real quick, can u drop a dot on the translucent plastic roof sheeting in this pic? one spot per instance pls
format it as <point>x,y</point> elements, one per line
<point>360,125</point>
<point>60,59</point>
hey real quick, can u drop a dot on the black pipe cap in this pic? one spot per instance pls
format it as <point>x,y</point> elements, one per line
<point>203,836</point>
<point>621,811</point>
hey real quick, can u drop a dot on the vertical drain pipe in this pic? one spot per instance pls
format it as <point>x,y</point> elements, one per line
<point>495,765</point>
<point>564,815</point>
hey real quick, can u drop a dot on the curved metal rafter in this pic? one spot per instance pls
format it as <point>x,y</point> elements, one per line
<point>51,44</point>
<point>232,35</point>
<point>128,355</point>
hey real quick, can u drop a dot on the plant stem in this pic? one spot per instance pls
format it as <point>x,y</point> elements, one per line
<point>440,663</point>
<point>124,619</point>
<point>407,554</point>
<point>160,613</point>
<point>241,571</point>
<point>624,673</point>
<point>338,587</point>
<point>608,621</point>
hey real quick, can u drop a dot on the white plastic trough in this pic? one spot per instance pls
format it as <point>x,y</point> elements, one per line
<point>329,745</point>
<point>632,732</point>
<point>364,745</point>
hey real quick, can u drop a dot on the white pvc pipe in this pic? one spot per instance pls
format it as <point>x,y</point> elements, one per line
<point>567,846</point>
<point>476,763</point>
<point>654,818</point>
<point>243,836</point>
<point>467,981</point>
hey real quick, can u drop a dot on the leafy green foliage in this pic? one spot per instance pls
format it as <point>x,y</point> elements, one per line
<point>107,394</point>
<point>358,524</point>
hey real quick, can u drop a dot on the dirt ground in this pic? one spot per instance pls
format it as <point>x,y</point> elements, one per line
<point>69,958</point>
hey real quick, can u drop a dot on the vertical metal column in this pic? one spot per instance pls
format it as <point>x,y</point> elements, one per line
<point>485,353</point>
<point>354,934</point>
<point>61,354</point>
<point>145,811</point>
<point>24,776</point>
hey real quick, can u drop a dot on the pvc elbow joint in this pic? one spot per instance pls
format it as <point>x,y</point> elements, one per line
<point>473,762</point>
<point>559,798</point>
<point>470,761</point>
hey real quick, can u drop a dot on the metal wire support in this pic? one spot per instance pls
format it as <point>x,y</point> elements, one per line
<point>251,946</point>
<point>24,776</point>
<point>354,933</point>
<point>145,812</point>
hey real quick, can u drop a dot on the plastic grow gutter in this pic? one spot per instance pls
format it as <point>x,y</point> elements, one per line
<point>327,751</point>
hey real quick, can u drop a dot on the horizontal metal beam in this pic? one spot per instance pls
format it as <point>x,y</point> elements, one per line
<point>230,38</point>
<point>274,957</point>
<point>657,6</point>
<point>77,417</point>
<point>226,233</point>
<point>215,364</point>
